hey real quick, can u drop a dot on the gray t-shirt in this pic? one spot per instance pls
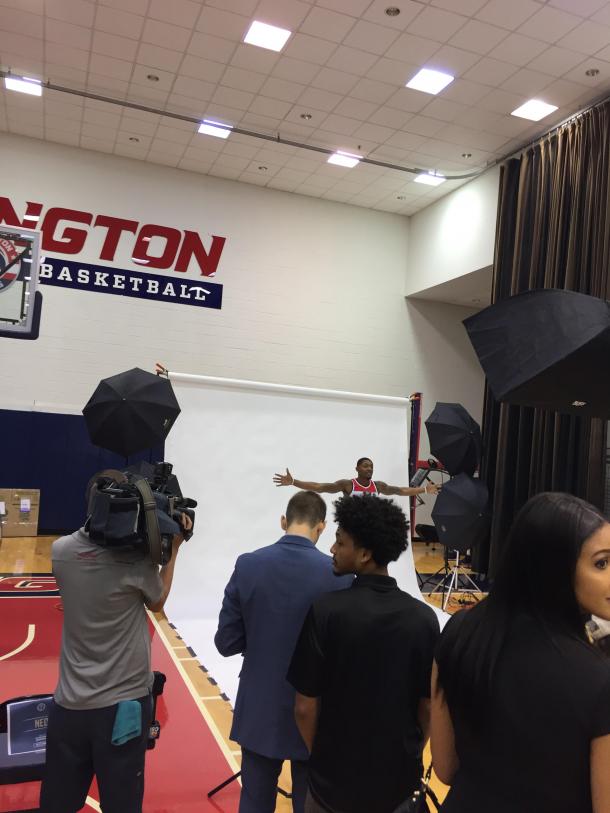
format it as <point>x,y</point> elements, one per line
<point>105,652</point>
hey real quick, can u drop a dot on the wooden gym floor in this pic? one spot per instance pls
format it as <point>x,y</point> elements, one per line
<point>31,555</point>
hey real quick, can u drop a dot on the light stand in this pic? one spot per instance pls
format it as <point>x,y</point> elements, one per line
<point>235,776</point>
<point>453,574</point>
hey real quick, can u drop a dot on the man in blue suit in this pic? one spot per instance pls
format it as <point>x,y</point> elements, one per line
<point>264,606</point>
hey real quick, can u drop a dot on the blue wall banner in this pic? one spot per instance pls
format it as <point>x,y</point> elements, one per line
<point>105,280</point>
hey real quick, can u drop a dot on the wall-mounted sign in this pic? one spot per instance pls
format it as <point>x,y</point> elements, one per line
<point>121,282</point>
<point>151,246</point>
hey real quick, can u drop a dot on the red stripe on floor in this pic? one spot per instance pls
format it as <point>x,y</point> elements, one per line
<point>187,761</point>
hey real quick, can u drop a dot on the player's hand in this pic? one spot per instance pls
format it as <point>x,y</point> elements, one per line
<point>187,524</point>
<point>432,488</point>
<point>283,479</point>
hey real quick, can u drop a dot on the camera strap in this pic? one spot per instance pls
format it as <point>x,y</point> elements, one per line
<point>150,518</point>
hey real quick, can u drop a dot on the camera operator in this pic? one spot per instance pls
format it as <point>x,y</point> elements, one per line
<point>103,706</point>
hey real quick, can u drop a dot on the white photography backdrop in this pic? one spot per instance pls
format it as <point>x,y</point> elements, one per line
<point>229,440</point>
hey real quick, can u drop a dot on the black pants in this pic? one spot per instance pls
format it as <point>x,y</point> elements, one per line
<point>79,747</point>
<point>259,777</point>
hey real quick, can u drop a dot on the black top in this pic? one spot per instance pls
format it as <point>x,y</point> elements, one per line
<point>367,653</point>
<point>551,697</point>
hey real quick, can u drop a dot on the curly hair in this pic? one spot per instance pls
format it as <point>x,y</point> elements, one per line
<point>375,524</point>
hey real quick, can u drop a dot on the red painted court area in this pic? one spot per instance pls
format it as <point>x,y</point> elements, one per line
<point>187,761</point>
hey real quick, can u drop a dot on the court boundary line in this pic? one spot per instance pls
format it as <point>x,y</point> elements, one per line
<point>28,640</point>
<point>199,702</point>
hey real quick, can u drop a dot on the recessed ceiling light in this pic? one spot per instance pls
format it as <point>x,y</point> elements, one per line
<point>215,128</point>
<point>134,138</point>
<point>392,11</point>
<point>23,85</point>
<point>592,72</point>
<point>263,168</point>
<point>466,155</point>
<point>306,116</point>
<point>534,110</point>
<point>400,197</point>
<point>344,159</point>
<point>430,178</point>
<point>430,81</point>
<point>152,77</point>
<point>267,36</point>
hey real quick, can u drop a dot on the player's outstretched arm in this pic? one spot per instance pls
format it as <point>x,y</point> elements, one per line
<point>338,486</point>
<point>406,491</point>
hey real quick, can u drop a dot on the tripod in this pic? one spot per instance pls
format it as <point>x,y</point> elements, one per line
<point>453,574</point>
<point>236,776</point>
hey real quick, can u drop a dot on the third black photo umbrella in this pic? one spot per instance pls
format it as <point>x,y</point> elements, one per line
<point>548,349</point>
<point>455,438</point>
<point>460,513</point>
<point>131,412</point>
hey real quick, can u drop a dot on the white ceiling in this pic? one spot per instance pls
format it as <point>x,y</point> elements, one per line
<point>346,64</point>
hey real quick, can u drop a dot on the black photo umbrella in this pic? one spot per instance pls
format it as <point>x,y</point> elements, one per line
<point>131,411</point>
<point>460,513</point>
<point>548,349</point>
<point>455,438</point>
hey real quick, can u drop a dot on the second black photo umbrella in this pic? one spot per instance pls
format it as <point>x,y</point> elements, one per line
<point>460,513</point>
<point>546,348</point>
<point>131,412</point>
<point>455,438</point>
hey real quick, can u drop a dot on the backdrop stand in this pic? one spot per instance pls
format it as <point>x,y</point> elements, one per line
<point>236,776</point>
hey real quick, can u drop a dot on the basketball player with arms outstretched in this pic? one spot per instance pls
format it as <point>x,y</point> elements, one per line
<point>363,483</point>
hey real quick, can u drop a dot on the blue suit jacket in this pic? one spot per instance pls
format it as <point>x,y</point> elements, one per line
<point>264,606</point>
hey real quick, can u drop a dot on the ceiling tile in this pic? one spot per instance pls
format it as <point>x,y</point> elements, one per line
<point>390,117</point>
<point>114,21</point>
<point>392,71</point>
<point>64,33</point>
<point>490,71</point>
<point>408,12</point>
<point>295,70</point>
<point>437,24</point>
<point>309,49</point>
<point>468,138</point>
<point>584,8</point>
<point>508,15</point>
<point>78,12</point>
<point>466,7</point>
<point>134,6</point>
<point>282,89</point>
<point>319,99</point>
<point>238,99</point>
<point>374,132</point>
<point>422,125</point>
<point>563,92</point>
<point>501,101</point>
<point>550,24</point>
<point>340,124</point>
<point>603,15</point>
<point>444,109</point>
<point>410,100</point>
<point>356,108</point>
<point>254,59</point>
<point>465,91</point>
<point>578,74</point>
<point>20,22</point>
<point>275,108</point>
<point>178,12</point>
<point>214,48</point>
<point>518,49</point>
<point>371,91</point>
<point>114,46</point>
<point>242,80</point>
<point>223,23</point>
<point>157,57</point>
<point>527,82</point>
<point>412,49</point>
<point>195,88</point>
<point>335,81</point>
<point>108,66</point>
<point>370,38</point>
<point>478,37</point>
<point>588,37</point>
<point>286,14</point>
<point>354,7</point>
<point>160,33</point>
<point>405,141</point>
<point>65,55</point>
<point>351,60</point>
<point>327,24</point>
<point>454,60</point>
<point>166,159</point>
<point>202,68</point>
<point>142,72</point>
<point>556,61</point>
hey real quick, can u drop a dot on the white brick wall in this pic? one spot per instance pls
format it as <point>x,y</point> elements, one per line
<point>313,290</point>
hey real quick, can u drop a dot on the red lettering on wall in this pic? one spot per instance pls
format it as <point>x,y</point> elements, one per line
<point>146,234</point>
<point>115,227</point>
<point>9,215</point>
<point>71,240</point>
<point>193,247</point>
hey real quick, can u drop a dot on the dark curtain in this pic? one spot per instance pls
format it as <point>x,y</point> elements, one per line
<point>552,231</point>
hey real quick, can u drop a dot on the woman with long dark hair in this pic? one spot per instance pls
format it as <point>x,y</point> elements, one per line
<point>520,698</point>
